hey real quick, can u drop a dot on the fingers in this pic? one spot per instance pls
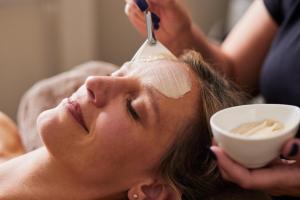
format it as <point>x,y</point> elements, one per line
<point>142,4</point>
<point>136,17</point>
<point>133,11</point>
<point>230,170</point>
<point>266,179</point>
<point>291,149</point>
<point>151,3</point>
<point>137,14</point>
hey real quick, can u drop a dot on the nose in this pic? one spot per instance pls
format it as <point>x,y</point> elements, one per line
<point>101,89</point>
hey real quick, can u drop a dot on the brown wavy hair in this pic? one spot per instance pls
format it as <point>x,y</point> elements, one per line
<point>188,165</point>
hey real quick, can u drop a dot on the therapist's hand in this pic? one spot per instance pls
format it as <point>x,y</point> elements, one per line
<point>175,24</point>
<point>282,177</point>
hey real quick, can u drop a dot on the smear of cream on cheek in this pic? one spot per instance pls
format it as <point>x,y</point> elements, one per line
<point>170,80</point>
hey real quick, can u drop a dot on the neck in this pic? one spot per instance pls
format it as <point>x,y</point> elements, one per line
<point>37,175</point>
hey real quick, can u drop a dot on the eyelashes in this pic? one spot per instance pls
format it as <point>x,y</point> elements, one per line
<point>132,112</point>
<point>130,109</point>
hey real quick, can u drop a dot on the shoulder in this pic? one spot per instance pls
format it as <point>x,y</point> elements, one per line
<point>10,143</point>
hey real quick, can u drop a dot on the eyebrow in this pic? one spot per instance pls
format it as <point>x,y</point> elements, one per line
<point>154,105</point>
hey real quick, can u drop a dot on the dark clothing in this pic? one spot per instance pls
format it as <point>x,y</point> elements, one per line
<point>280,76</point>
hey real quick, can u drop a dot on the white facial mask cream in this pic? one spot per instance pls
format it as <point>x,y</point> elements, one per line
<point>259,129</point>
<point>147,53</point>
<point>169,79</point>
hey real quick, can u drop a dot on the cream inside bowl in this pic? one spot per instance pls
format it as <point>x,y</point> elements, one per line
<point>265,128</point>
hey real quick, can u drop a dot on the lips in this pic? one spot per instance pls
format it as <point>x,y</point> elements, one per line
<point>75,110</point>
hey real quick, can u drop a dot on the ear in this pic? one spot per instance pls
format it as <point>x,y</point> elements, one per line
<point>152,190</point>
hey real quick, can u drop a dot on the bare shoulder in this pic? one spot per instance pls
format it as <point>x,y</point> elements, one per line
<point>10,143</point>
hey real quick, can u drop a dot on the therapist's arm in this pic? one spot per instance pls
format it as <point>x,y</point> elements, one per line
<point>280,178</point>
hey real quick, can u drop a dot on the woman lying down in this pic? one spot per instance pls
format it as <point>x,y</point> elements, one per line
<point>141,133</point>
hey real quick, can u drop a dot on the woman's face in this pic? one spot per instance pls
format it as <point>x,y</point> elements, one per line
<point>116,128</point>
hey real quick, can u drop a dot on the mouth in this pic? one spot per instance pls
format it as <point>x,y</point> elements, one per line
<point>75,110</point>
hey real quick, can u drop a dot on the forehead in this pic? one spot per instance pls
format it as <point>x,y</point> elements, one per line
<point>170,78</point>
<point>130,67</point>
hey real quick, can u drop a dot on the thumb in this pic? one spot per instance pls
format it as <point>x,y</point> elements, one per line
<point>145,4</point>
<point>291,149</point>
<point>163,3</point>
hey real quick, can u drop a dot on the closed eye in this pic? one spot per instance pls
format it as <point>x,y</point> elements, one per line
<point>132,112</point>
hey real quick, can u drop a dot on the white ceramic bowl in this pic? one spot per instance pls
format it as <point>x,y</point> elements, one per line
<point>254,152</point>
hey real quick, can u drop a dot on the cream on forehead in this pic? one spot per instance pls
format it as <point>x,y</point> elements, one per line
<point>147,53</point>
<point>170,80</point>
<point>167,78</point>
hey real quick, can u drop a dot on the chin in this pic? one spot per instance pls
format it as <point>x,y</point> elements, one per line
<point>56,133</point>
<point>48,125</point>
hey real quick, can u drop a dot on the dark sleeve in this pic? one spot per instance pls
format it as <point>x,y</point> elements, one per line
<point>274,7</point>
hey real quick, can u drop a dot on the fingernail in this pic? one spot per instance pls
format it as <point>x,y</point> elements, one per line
<point>156,26</point>
<point>294,150</point>
<point>155,18</point>
<point>142,4</point>
<point>211,154</point>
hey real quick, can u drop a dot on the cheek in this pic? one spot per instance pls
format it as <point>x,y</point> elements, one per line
<point>122,141</point>
<point>112,130</point>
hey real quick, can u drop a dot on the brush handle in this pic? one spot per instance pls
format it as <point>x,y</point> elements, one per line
<point>149,24</point>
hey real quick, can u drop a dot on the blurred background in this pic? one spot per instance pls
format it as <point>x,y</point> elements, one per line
<point>41,38</point>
